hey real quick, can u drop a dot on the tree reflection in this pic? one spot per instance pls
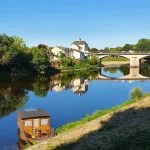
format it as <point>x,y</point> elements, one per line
<point>41,86</point>
<point>123,69</point>
<point>14,93</point>
<point>11,100</point>
<point>145,69</point>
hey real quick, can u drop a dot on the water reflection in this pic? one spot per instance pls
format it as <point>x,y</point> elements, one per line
<point>33,126</point>
<point>11,98</point>
<point>51,93</point>
<point>79,86</point>
<point>13,94</point>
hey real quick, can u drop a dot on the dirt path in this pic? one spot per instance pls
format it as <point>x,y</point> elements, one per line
<point>126,128</point>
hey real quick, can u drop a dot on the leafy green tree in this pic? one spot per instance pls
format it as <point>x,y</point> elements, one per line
<point>106,49</point>
<point>128,47</point>
<point>42,46</point>
<point>136,93</point>
<point>66,62</point>
<point>39,60</point>
<point>94,50</point>
<point>143,45</point>
<point>94,61</point>
<point>12,48</point>
<point>6,51</point>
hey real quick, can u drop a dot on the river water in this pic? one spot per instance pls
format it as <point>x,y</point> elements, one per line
<point>66,97</point>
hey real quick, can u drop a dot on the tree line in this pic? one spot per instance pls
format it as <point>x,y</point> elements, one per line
<point>16,56</point>
<point>142,45</point>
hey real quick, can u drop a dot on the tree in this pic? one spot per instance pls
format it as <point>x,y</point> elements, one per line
<point>6,51</point>
<point>106,49</point>
<point>39,60</point>
<point>128,47</point>
<point>94,61</point>
<point>94,50</point>
<point>136,93</point>
<point>143,45</point>
<point>66,62</point>
<point>12,48</point>
<point>42,46</point>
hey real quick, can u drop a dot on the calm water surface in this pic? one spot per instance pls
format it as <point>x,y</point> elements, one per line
<point>66,97</point>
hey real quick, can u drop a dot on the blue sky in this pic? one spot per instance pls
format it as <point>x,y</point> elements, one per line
<point>59,22</point>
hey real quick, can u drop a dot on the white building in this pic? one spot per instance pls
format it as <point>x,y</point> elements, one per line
<point>80,46</point>
<point>58,50</point>
<point>79,49</point>
<point>76,54</point>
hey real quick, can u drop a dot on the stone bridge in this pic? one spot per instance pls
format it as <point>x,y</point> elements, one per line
<point>133,57</point>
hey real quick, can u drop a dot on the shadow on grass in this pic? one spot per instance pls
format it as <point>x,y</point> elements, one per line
<point>126,130</point>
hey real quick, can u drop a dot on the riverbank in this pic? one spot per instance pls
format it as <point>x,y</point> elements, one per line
<point>122,127</point>
<point>114,63</point>
<point>103,64</point>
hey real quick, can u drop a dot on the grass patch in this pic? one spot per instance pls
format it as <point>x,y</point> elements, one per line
<point>115,59</point>
<point>95,115</point>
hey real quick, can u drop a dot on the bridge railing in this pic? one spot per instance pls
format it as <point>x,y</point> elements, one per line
<point>121,53</point>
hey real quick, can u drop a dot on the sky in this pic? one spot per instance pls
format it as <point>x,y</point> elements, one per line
<point>101,23</point>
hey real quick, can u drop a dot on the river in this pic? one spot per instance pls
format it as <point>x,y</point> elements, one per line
<point>66,97</point>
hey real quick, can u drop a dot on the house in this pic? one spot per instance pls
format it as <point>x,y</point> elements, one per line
<point>34,125</point>
<point>58,50</point>
<point>81,46</point>
<point>76,54</point>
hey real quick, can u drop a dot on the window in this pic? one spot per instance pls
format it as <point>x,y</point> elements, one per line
<point>36,122</point>
<point>28,123</point>
<point>44,122</point>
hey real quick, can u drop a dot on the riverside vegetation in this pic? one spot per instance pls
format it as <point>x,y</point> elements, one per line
<point>112,128</point>
<point>16,58</point>
<point>136,94</point>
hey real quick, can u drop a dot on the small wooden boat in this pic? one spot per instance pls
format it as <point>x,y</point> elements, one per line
<point>33,126</point>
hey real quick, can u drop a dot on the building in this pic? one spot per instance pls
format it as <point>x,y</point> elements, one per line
<point>81,46</point>
<point>57,51</point>
<point>33,125</point>
<point>76,54</point>
<point>79,49</point>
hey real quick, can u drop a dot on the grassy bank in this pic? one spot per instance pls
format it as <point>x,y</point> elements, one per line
<point>115,59</point>
<point>95,115</point>
<point>106,129</point>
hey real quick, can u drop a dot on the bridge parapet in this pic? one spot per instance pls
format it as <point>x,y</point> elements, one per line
<point>137,53</point>
<point>133,57</point>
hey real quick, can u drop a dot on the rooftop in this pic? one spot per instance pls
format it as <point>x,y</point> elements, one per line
<point>79,42</point>
<point>32,113</point>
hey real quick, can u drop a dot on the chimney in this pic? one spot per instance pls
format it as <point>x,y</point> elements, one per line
<point>79,39</point>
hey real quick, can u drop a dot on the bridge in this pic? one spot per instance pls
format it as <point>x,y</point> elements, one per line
<point>133,57</point>
<point>133,75</point>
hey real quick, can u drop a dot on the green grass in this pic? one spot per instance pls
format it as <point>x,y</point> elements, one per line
<point>115,59</point>
<point>95,115</point>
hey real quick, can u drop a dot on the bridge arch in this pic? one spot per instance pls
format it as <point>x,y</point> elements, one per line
<point>133,57</point>
<point>101,57</point>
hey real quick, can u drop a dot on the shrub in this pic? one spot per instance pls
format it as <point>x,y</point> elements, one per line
<point>94,61</point>
<point>136,93</point>
<point>66,62</point>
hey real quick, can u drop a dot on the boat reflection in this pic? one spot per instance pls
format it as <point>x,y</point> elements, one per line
<point>33,126</point>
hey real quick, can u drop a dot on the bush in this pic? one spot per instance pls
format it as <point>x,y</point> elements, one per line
<point>66,62</point>
<point>136,93</point>
<point>94,61</point>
